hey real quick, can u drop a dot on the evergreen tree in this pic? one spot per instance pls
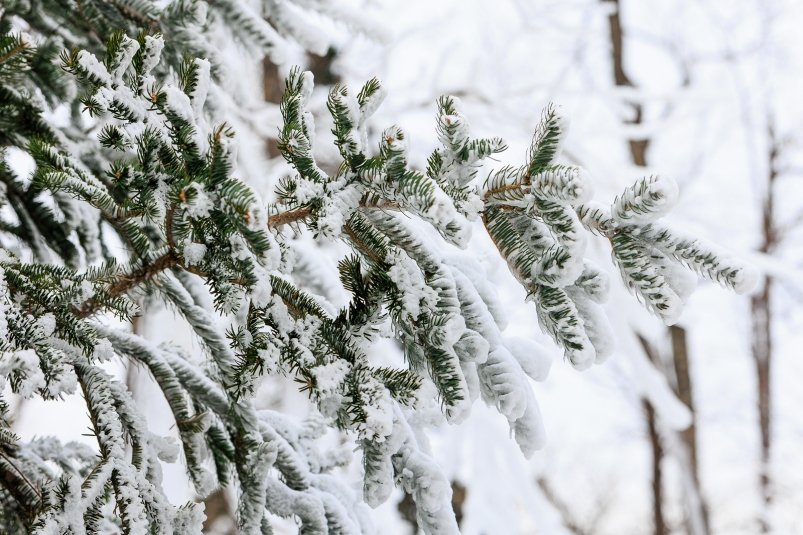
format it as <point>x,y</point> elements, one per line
<point>150,169</point>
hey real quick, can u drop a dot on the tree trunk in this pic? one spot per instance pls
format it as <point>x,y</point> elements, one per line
<point>761,346</point>
<point>698,511</point>
<point>762,356</point>
<point>680,358</point>
<point>657,450</point>
<point>638,155</point>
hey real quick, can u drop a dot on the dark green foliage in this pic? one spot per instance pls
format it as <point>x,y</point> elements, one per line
<point>546,141</point>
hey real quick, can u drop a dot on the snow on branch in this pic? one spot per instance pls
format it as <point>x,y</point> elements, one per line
<point>201,241</point>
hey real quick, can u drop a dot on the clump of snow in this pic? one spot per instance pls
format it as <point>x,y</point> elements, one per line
<point>647,200</point>
<point>239,247</point>
<point>103,351</point>
<point>453,329</point>
<point>329,377</point>
<point>261,291</point>
<point>745,279</point>
<point>166,448</point>
<point>179,103</point>
<point>594,283</point>
<point>126,52</point>
<point>422,478</point>
<point>94,67</point>
<point>86,291</point>
<point>372,103</point>
<point>280,315</point>
<point>472,347</point>
<point>190,518</point>
<point>47,323</point>
<point>444,217</point>
<point>528,430</point>
<point>569,185</point>
<point>337,208</point>
<point>194,253</point>
<point>24,364</point>
<point>409,279</point>
<point>454,129</point>
<point>64,382</point>
<point>307,85</point>
<point>201,203</point>
<point>199,92</point>
<point>307,190</point>
<point>595,323</point>
<point>502,386</point>
<point>378,407</point>
<point>558,267</point>
<point>153,52</point>
<point>533,358</point>
<point>564,124</point>
<point>680,279</point>
<point>274,257</point>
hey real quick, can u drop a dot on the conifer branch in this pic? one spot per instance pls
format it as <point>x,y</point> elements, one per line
<point>289,217</point>
<point>157,177</point>
<point>125,283</point>
<point>18,49</point>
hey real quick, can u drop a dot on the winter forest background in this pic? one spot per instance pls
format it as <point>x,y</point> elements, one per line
<point>691,429</point>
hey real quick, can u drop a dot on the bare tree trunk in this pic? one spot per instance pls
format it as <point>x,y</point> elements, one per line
<point>638,147</point>
<point>762,356</point>
<point>659,522</point>
<point>680,358</point>
<point>688,437</point>
<point>761,346</point>
<point>656,449</point>
<point>696,505</point>
<point>638,155</point>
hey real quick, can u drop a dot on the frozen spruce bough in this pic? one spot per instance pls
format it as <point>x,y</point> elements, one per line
<point>201,241</point>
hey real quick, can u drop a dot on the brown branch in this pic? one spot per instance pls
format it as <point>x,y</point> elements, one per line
<point>127,282</point>
<point>286,218</point>
<point>14,51</point>
<point>169,226</point>
<point>170,259</point>
<point>146,272</point>
<point>503,189</point>
<point>300,214</point>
